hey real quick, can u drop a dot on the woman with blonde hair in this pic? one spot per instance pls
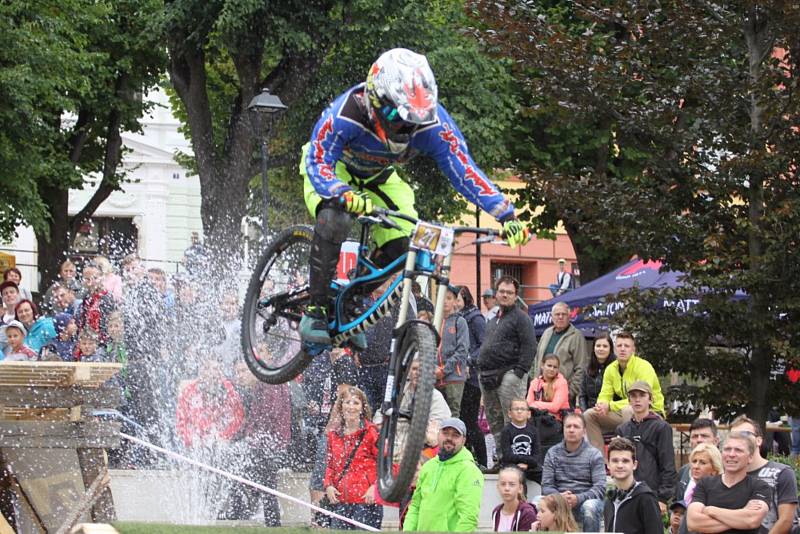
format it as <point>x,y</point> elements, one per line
<point>351,471</point>
<point>111,280</point>
<point>705,461</point>
<point>554,515</point>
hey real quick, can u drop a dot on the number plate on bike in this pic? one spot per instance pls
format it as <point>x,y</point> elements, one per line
<point>435,239</point>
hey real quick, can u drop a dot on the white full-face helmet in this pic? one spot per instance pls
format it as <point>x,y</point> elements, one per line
<point>402,96</point>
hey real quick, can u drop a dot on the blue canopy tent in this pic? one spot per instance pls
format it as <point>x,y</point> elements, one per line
<point>636,272</point>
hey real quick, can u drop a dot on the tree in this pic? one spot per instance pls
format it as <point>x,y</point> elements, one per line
<point>220,57</point>
<point>72,80</point>
<point>681,121</point>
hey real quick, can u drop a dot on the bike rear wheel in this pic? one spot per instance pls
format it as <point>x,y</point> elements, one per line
<point>405,424</point>
<point>276,299</point>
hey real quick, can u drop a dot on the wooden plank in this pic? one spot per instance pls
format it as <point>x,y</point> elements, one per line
<point>81,375</point>
<point>10,413</point>
<point>51,480</point>
<point>53,374</point>
<point>89,434</point>
<point>106,396</point>
<point>93,528</point>
<point>5,528</point>
<point>93,492</point>
<point>94,462</point>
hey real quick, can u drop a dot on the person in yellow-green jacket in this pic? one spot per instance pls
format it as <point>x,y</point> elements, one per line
<point>449,488</point>
<point>612,408</point>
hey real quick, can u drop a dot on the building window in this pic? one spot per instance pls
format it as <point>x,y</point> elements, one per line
<point>113,237</point>
<point>514,270</point>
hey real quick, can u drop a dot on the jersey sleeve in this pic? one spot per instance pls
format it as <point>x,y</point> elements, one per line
<point>328,139</point>
<point>760,491</point>
<point>446,145</point>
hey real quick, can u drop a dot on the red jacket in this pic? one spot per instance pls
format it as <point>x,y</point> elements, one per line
<point>362,472</point>
<point>199,418</point>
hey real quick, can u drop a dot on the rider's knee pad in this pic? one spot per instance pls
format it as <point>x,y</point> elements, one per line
<point>333,224</point>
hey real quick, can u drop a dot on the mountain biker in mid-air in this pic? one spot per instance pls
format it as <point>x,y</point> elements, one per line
<point>347,168</point>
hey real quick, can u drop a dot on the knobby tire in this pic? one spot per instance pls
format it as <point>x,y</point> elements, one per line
<point>277,374</point>
<point>420,339</point>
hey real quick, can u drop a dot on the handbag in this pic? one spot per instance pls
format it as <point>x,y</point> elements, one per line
<point>491,379</point>
<point>483,423</point>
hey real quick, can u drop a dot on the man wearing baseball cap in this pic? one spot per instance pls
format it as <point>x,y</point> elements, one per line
<point>490,303</point>
<point>449,488</point>
<point>653,438</point>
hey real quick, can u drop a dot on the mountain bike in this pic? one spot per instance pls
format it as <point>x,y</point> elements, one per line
<point>278,294</point>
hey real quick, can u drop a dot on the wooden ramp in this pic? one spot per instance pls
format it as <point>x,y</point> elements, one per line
<point>51,447</point>
<point>56,374</point>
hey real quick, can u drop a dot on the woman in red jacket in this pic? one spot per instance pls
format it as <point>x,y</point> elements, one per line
<point>352,461</point>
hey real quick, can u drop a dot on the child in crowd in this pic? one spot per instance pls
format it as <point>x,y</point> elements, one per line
<point>554,515</point>
<point>17,350</point>
<point>10,293</point>
<point>515,514</point>
<point>519,441</point>
<point>62,348</point>
<point>677,511</point>
<point>89,349</point>
<point>117,353</point>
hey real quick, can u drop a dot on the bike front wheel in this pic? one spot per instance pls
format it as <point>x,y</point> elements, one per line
<point>276,299</point>
<point>405,422</point>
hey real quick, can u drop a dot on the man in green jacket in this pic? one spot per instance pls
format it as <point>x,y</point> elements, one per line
<point>612,408</point>
<point>449,488</point>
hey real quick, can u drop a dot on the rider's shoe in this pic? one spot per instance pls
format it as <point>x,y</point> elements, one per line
<point>314,326</point>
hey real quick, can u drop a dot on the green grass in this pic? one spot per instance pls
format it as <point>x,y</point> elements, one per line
<point>162,528</point>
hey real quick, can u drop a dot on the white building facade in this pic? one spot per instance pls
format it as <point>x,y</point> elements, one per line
<point>159,205</point>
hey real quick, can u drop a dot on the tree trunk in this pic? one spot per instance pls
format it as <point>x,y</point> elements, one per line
<point>592,263</point>
<point>756,28</point>
<point>53,245</point>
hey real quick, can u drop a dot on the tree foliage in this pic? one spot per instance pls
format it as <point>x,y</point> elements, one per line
<point>670,130</point>
<point>308,54</point>
<point>71,81</point>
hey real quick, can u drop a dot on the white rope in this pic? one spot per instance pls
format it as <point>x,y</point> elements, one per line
<point>246,482</point>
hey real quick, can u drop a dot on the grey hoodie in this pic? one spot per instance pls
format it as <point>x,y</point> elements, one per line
<point>454,349</point>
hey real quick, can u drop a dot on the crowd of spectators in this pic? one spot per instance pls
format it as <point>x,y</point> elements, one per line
<point>585,419</point>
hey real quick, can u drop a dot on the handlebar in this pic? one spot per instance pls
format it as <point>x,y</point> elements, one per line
<point>384,215</point>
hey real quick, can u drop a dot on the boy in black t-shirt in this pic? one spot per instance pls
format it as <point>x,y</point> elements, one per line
<point>733,499</point>
<point>519,441</point>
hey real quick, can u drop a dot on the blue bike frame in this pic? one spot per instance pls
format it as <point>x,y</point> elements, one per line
<point>423,263</point>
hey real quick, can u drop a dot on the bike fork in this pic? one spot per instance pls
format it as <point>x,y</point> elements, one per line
<point>389,393</point>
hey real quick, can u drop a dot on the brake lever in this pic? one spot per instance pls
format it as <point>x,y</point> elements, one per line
<point>369,219</point>
<point>386,222</point>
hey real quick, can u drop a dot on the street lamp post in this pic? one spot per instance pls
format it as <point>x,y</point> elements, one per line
<point>265,103</point>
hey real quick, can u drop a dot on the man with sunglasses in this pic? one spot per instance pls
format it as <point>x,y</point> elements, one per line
<point>348,167</point>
